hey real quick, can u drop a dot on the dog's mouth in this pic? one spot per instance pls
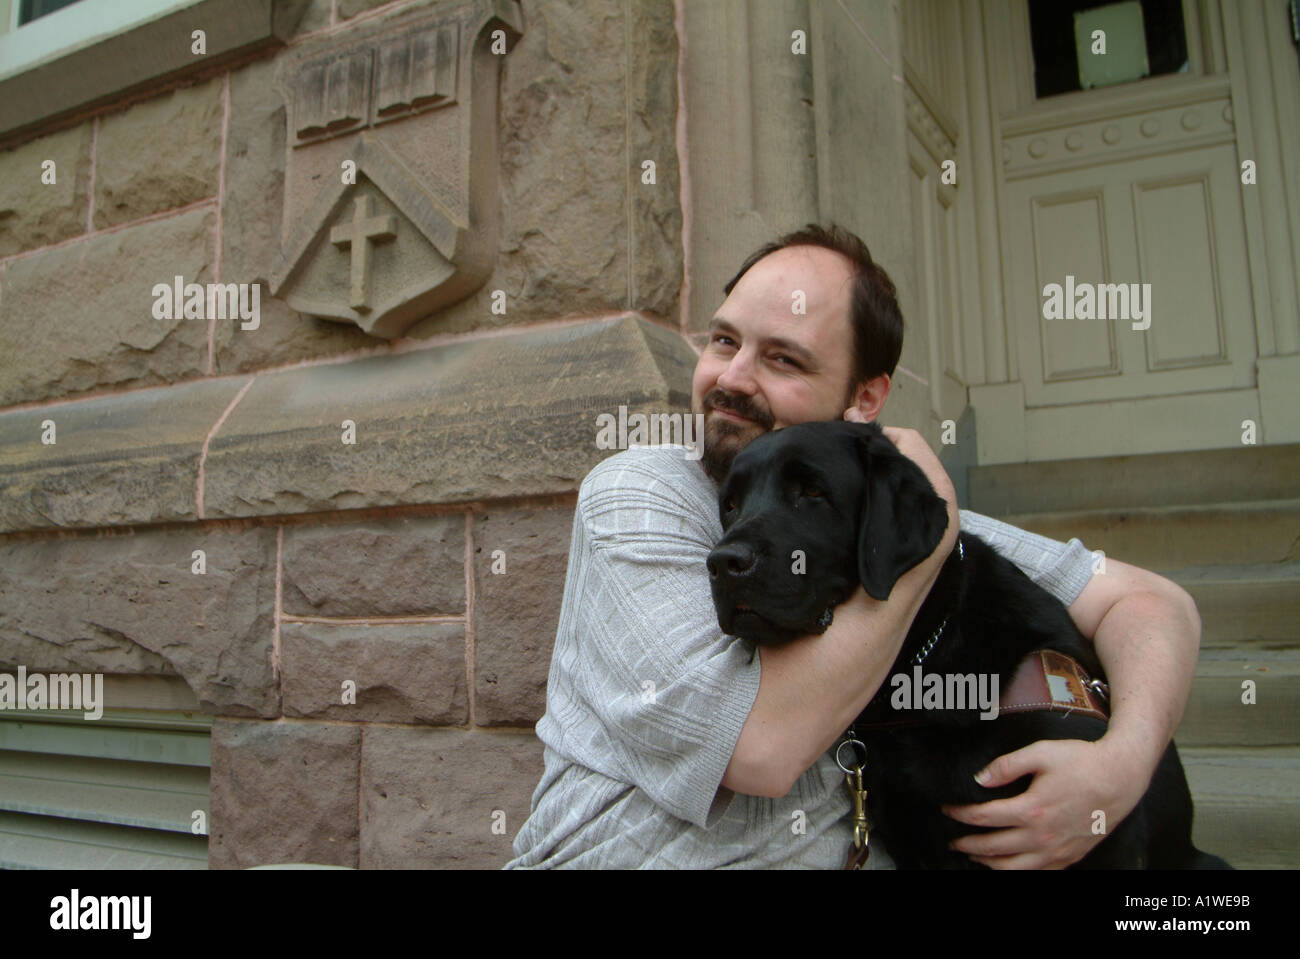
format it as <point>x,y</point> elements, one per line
<point>748,623</point>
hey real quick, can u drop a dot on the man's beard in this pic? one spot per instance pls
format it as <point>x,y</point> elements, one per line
<point>724,438</point>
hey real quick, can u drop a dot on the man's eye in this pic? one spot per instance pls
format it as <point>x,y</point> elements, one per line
<point>720,337</point>
<point>788,361</point>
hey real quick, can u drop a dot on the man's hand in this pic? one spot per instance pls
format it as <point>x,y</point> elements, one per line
<point>1050,825</point>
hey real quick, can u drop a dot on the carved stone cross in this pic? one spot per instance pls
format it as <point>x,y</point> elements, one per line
<point>358,234</point>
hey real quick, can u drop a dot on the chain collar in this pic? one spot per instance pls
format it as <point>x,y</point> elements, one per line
<point>925,650</point>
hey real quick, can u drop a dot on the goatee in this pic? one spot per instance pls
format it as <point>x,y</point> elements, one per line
<point>724,438</point>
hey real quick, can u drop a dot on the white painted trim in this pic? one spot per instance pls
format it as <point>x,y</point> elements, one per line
<point>74,27</point>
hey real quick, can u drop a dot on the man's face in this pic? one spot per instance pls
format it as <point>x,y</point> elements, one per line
<point>766,366</point>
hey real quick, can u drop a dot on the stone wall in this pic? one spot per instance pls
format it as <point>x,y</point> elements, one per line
<point>372,625</point>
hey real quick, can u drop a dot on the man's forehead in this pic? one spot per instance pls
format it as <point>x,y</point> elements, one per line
<point>815,268</point>
<point>809,286</point>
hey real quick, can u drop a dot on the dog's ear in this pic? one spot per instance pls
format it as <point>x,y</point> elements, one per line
<point>903,518</point>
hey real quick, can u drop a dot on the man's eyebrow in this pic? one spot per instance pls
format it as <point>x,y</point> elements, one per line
<point>720,325</point>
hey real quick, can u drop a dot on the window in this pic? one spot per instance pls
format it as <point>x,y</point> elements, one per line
<point>47,29</point>
<point>1143,38</point>
<point>29,10</point>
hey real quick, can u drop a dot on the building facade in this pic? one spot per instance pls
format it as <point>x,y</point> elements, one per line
<point>309,310</point>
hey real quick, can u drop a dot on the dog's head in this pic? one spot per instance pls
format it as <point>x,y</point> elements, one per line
<point>808,513</point>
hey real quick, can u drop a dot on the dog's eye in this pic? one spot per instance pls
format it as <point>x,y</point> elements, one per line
<point>812,492</point>
<point>731,504</point>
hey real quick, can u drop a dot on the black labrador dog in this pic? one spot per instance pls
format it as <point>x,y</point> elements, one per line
<point>811,511</point>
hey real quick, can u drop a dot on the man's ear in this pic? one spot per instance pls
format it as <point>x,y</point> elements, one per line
<point>903,519</point>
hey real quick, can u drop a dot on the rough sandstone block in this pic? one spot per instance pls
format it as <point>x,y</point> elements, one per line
<point>516,612</point>
<point>33,213</point>
<point>350,8</point>
<point>116,460</point>
<point>430,798</point>
<point>315,17</point>
<point>403,673</point>
<point>283,792</point>
<point>94,302</point>
<point>402,567</point>
<point>158,155</point>
<point>132,604</point>
<point>567,247</point>
<point>474,420</point>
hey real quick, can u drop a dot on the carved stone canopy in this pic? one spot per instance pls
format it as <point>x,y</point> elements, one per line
<point>391,173</point>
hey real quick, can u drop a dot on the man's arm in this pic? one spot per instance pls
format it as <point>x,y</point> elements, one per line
<point>812,689</point>
<point>1147,634</point>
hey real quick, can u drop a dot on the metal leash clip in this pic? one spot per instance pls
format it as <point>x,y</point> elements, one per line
<point>1100,688</point>
<point>853,780</point>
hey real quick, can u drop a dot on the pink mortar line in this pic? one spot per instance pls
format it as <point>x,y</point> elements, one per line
<point>881,53</point>
<point>469,611</point>
<point>442,620</point>
<point>275,633</point>
<point>221,198</point>
<point>94,149</point>
<point>683,164</point>
<point>920,379</point>
<point>203,453</point>
<point>117,228</point>
<point>408,345</point>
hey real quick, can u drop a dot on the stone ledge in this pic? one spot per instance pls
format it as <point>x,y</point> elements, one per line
<point>472,421</point>
<point>503,416</point>
<point>116,460</point>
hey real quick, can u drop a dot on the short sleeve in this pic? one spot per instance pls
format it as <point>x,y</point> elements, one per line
<point>645,687</point>
<point>1063,569</point>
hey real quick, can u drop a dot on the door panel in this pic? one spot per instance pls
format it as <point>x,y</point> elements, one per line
<point>1173,221</point>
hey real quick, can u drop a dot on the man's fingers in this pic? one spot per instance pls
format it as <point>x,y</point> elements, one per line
<point>1026,860</point>
<point>1004,842</point>
<point>996,813</point>
<point>1009,767</point>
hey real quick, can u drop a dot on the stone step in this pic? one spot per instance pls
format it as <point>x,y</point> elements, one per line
<point>1258,604</point>
<point>1251,473</point>
<point>1161,538</point>
<point>1247,804</point>
<point>1216,714</point>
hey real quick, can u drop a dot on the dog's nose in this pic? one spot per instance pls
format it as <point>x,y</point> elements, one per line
<point>734,559</point>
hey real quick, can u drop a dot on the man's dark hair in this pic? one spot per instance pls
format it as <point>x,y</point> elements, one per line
<point>874,316</point>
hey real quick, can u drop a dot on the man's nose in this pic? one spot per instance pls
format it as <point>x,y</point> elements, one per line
<point>738,377</point>
<point>730,561</point>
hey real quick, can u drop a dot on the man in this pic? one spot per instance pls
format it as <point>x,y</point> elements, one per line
<point>669,744</point>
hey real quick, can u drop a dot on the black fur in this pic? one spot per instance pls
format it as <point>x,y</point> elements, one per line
<point>841,496</point>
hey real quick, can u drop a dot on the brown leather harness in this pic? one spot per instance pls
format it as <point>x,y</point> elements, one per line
<point>1045,680</point>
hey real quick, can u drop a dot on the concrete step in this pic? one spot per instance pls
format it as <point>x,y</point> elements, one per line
<point>1216,714</point>
<point>1259,603</point>
<point>1161,538</point>
<point>1248,474</point>
<point>1247,804</point>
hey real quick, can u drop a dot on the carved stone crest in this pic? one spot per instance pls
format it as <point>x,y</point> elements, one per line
<point>391,176</point>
